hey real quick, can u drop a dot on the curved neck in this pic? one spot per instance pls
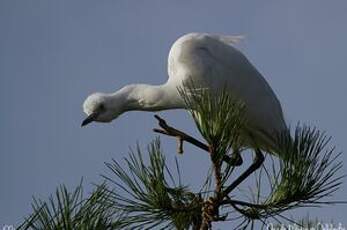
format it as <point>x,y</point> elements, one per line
<point>148,97</point>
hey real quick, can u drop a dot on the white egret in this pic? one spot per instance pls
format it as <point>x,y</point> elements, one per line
<point>210,60</point>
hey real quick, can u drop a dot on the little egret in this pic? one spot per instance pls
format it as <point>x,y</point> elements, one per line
<point>210,60</point>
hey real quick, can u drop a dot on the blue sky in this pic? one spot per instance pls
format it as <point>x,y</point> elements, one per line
<point>54,53</point>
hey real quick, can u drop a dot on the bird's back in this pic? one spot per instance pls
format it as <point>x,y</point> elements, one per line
<point>211,60</point>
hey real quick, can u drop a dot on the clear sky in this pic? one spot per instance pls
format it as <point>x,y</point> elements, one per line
<point>54,53</point>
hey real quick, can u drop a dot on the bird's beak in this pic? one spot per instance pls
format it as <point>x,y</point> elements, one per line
<point>89,119</point>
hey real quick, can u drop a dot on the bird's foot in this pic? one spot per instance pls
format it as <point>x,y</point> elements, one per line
<point>235,159</point>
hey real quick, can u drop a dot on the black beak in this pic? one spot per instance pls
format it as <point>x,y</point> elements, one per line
<point>89,119</point>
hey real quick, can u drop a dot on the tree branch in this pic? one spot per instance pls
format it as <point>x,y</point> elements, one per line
<point>210,210</point>
<point>170,131</point>
<point>181,136</point>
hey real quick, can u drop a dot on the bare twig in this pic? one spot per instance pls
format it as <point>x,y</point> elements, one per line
<point>181,137</point>
<point>170,131</point>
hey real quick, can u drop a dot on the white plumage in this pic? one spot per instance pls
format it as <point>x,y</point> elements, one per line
<point>210,61</point>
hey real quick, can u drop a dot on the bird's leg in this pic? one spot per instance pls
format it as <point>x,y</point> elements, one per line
<point>235,158</point>
<point>257,162</point>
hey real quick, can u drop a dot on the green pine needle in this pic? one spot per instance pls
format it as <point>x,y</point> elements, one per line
<point>70,211</point>
<point>307,172</point>
<point>147,198</point>
<point>218,116</point>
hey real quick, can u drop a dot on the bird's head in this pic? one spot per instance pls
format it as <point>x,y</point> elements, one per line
<point>100,107</point>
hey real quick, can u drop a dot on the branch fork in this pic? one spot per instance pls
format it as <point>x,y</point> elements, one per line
<point>210,207</point>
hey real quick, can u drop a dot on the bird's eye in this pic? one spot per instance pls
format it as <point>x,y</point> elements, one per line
<point>101,107</point>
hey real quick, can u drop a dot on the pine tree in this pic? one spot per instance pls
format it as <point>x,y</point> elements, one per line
<point>144,194</point>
